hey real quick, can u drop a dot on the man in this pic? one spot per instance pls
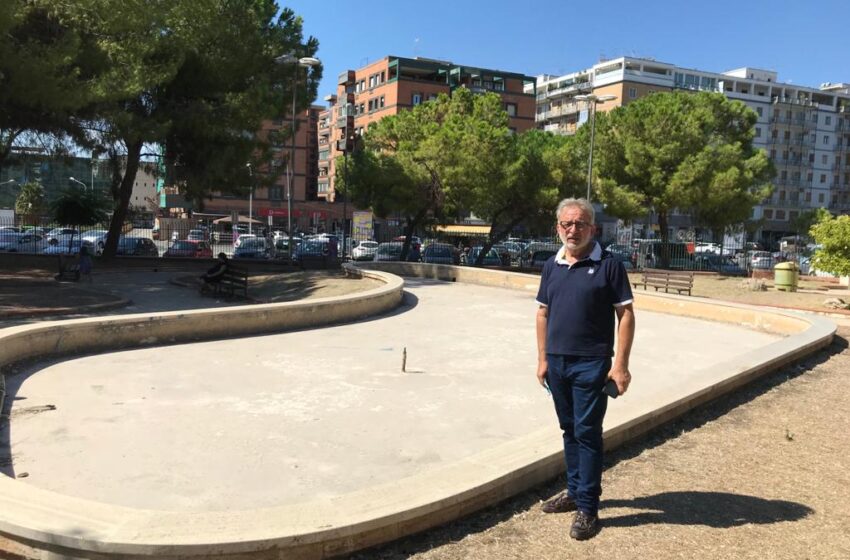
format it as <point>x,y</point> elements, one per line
<point>214,275</point>
<point>581,290</point>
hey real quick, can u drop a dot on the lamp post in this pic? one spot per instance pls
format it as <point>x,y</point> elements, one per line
<point>592,100</point>
<point>304,62</point>
<point>80,182</point>
<point>250,198</point>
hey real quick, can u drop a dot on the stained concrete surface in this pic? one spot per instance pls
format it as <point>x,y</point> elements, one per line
<point>262,421</point>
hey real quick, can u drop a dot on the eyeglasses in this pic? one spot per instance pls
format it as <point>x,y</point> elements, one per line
<point>578,225</point>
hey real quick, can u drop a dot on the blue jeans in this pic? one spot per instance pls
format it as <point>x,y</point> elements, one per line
<point>576,383</point>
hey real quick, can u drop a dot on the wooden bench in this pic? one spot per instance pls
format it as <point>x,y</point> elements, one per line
<point>679,280</point>
<point>234,279</point>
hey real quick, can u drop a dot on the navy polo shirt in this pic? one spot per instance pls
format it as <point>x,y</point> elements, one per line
<point>581,299</point>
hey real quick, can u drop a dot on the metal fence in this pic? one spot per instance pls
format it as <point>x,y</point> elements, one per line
<point>439,244</point>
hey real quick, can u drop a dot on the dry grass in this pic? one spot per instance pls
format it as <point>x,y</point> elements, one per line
<point>761,474</point>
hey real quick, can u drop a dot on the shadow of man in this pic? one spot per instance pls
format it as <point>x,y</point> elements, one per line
<point>720,510</point>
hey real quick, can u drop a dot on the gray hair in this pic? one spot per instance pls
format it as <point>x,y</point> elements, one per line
<point>582,203</point>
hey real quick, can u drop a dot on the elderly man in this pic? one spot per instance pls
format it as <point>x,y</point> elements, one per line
<point>581,290</point>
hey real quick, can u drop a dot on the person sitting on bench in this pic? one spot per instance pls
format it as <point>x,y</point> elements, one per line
<point>214,275</point>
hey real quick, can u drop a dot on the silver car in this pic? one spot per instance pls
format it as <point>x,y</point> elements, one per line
<point>22,243</point>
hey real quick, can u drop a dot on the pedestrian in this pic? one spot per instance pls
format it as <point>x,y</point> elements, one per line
<point>85,265</point>
<point>582,290</point>
<point>214,275</point>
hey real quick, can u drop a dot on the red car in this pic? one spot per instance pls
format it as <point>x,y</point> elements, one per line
<point>193,249</point>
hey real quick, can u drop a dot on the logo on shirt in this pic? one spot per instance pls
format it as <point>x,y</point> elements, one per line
<point>590,270</point>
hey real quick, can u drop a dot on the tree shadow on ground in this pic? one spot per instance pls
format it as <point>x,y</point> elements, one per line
<point>720,510</point>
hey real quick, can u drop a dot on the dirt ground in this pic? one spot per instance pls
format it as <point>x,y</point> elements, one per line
<point>761,475</point>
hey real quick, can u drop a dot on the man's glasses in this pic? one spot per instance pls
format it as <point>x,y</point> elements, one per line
<point>578,225</point>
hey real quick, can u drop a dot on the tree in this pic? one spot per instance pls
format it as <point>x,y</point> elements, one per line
<point>524,185</point>
<point>681,150</point>
<point>833,235</point>
<point>31,202</point>
<point>77,207</point>
<point>195,76</point>
<point>425,163</point>
<point>43,73</point>
<point>804,222</point>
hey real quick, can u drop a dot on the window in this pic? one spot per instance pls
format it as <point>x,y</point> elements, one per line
<point>808,196</point>
<point>768,213</point>
<point>417,99</point>
<point>809,177</point>
<point>381,102</point>
<point>827,120</point>
<point>511,109</point>
<point>820,198</point>
<point>760,111</point>
<point>811,158</point>
<point>362,107</point>
<point>823,159</point>
<point>782,194</point>
<point>632,92</point>
<point>826,140</point>
<point>823,178</point>
<point>382,78</point>
<point>784,176</point>
<point>780,214</point>
<point>758,132</point>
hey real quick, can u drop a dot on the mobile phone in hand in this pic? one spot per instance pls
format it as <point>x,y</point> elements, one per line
<point>610,389</point>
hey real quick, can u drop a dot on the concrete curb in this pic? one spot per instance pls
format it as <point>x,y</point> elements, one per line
<point>327,527</point>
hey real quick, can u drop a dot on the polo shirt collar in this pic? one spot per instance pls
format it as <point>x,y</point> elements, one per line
<point>595,255</point>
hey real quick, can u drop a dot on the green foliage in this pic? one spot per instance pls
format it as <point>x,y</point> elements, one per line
<point>833,235</point>
<point>808,218</point>
<point>31,201</point>
<point>432,161</point>
<point>681,150</point>
<point>76,206</point>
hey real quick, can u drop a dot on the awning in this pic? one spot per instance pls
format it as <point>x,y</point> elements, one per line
<point>463,229</point>
<point>242,220</point>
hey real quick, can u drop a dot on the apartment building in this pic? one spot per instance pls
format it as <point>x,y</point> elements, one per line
<point>805,130</point>
<point>309,211</point>
<point>393,84</point>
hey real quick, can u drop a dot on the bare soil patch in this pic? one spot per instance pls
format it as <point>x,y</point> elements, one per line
<point>307,285</point>
<point>38,295</point>
<point>760,474</point>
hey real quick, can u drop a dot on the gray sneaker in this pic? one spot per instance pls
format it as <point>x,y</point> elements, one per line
<point>585,526</point>
<point>559,504</point>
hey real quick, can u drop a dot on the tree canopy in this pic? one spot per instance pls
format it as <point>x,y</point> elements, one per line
<point>196,77</point>
<point>681,150</point>
<point>31,202</point>
<point>833,235</point>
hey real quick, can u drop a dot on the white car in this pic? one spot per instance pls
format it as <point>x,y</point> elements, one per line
<point>701,247</point>
<point>97,239</point>
<point>196,235</point>
<point>365,251</point>
<point>22,243</point>
<point>243,237</point>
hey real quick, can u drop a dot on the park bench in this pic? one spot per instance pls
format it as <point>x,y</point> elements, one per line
<point>679,280</point>
<point>234,279</point>
<point>68,270</point>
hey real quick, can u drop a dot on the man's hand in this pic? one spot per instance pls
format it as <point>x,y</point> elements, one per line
<point>621,377</point>
<point>542,368</point>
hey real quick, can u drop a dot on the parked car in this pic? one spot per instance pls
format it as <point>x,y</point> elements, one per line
<point>392,252</point>
<point>191,249</point>
<point>252,248</point>
<point>761,260</point>
<point>440,253</point>
<point>538,253</point>
<point>9,229</point>
<point>196,235</point>
<point>97,237</point>
<point>514,249</point>
<point>415,242</point>
<point>138,247</point>
<point>67,248</point>
<point>243,237</point>
<point>716,263</point>
<point>364,251</point>
<point>21,242</point>
<point>312,248</point>
<point>56,235</point>
<point>492,257</point>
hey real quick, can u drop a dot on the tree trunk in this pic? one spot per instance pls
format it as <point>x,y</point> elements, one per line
<point>665,239</point>
<point>134,150</point>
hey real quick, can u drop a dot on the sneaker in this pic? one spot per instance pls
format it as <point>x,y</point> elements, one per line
<point>585,526</point>
<point>559,504</point>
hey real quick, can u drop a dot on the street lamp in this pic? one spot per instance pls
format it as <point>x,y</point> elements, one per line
<point>80,182</point>
<point>250,198</point>
<point>592,101</point>
<point>304,62</point>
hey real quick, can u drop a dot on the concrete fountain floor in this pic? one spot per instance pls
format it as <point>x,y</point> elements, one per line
<point>257,422</point>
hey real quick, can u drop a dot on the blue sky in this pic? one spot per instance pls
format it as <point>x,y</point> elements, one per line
<point>806,41</point>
